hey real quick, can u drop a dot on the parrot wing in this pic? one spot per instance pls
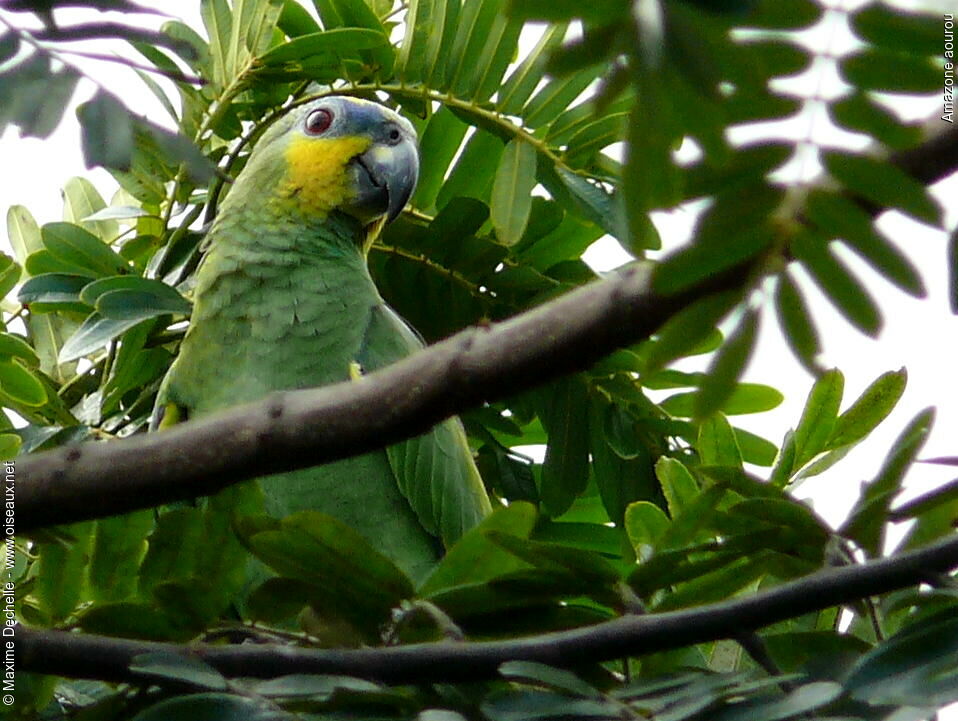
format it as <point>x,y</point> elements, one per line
<point>434,471</point>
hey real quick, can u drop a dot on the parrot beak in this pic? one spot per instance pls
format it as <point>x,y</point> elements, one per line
<point>385,177</point>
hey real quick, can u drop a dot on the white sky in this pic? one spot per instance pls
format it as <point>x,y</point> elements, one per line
<point>920,335</point>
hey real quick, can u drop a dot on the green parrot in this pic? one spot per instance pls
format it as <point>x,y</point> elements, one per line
<point>284,300</point>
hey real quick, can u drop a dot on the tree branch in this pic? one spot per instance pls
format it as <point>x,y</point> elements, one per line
<point>100,30</point>
<point>86,656</point>
<point>480,364</point>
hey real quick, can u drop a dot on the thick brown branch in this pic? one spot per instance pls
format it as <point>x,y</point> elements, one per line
<point>303,428</point>
<point>86,656</point>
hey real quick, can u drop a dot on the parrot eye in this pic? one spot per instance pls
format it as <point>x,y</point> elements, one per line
<point>318,122</point>
<point>394,135</point>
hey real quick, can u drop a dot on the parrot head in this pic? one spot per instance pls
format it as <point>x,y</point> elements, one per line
<point>338,153</point>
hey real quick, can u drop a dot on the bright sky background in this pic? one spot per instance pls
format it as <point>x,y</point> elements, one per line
<point>920,335</point>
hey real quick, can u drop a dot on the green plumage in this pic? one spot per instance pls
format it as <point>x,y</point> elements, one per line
<point>284,301</point>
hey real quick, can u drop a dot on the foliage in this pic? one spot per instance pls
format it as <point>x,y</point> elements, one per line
<point>637,505</point>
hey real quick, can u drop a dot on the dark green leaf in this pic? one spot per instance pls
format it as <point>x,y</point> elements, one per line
<point>9,45</point>
<point>72,244</point>
<point>868,520</point>
<point>474,171</point>
<point>678,486</point>
<point>883,184</point>
<point>915,667</point>
<point>174,667</point>
<point>555,96</point>
<point>837,282</point>
<point>736,227</point>
<point>95,332</point>
<point>107,132</point>
<point>685,330</point>
<point>318,688</point>
<point>858,112</point>
<point>207,707</point>
<point>565,471</point>
<point>784,14</point>
<point>54,291</point>
<point>796,322</point>
<point>836,215</point>
<point>896,29</point>
<point>511,200</point>
<point>891,72</point>
<point>727,367</point>
<point>561,680</point>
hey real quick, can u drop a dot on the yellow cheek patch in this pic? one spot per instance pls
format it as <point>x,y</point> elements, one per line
<point>315,178</point>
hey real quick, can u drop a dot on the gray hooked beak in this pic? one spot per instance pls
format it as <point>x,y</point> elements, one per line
<point>385,177</point>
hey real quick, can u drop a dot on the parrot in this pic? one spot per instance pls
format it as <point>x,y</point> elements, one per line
<point>284,300</point>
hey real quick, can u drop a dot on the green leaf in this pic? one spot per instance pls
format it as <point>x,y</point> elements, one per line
<point>474,29</point>
<point>565,470</point>
<point>735,228</point>
<point>106,132</point>
<point>21,384</point>
<point>23,231</point>
<point>555,96</point>
<point>837,216</point>
<point>54,291</point>
<point>744,398</point>
<point>796,322</point>
<point>473,173</point>
<point>10,444</point>
<point>349,578</point>
<point>317,688</point>
<point>12,346</point>
<point>159,666</point>
<point>859,113</point>
<point>553,10</point>
<point>119,544</point>
<point>915,667</point>
<point>841,287</point>
<point>684,331</point>
<point>868,520</point>
<point>755,449</point>
<point>891,72</point>
<point>522,82</point>
<point>512,191</point>
<point>779,15</point>
<point>645,523</point>
<point>727,367</point>
<point>896,29</point>
<point>336,43</point>
<point>438,147</point>
<point>474,558</point>
<point>94,333</point>
<point>207,707</point>
<point>540,674</point>
<point>678,486</point>
<point>819,416</point>
<point>717,445</point>
<point>870,409</point>
<point>883,184</point>
<point>133,297</point>
<point>81,199</point>
<point>72,244</point>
